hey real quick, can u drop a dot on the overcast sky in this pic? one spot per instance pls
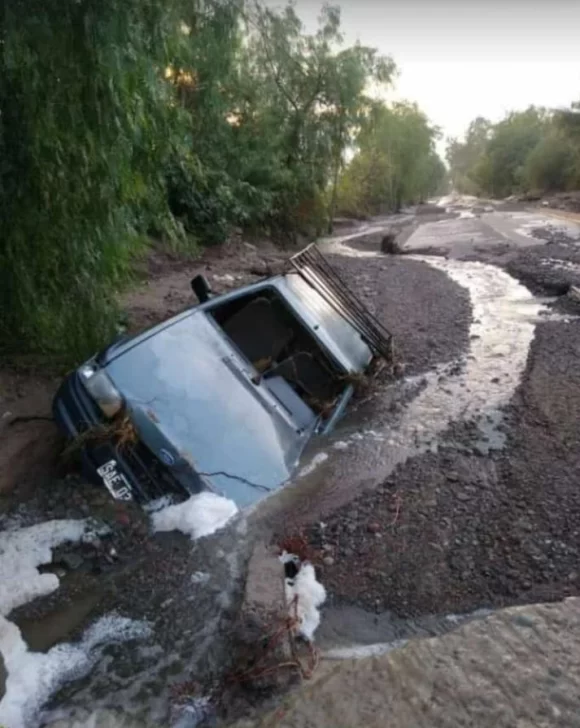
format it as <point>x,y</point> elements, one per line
<point>460,59</point>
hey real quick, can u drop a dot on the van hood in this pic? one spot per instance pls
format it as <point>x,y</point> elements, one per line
<point>195,407</point>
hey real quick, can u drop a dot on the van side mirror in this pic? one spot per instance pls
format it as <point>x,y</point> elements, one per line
<point>201,288</point>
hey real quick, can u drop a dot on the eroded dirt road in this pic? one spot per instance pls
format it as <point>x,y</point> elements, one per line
<point>482,509</point>
<point>451,490</point>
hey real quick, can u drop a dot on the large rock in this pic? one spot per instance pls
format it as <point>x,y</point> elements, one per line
<point>389,244</point>
<point>264,594</point>
<point>518,667</point>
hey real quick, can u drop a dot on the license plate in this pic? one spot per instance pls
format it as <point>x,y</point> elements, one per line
<point>115,482</point>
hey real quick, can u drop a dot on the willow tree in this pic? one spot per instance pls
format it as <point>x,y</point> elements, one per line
<point>86,121</point>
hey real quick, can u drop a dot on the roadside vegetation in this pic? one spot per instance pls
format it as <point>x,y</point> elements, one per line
<point>533,151</point>
<point>126,121</point>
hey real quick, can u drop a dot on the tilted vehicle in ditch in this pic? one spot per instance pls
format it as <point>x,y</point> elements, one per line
<point>225,395</point>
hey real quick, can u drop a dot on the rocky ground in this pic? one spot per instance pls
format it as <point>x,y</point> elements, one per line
<point>453,531</point>
<point>410,529</point>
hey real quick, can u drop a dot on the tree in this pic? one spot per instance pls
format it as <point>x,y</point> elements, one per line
<point>126,120</point>
<point>549,166</point>
<point>315,95</point>
<point>463,156</point>
<point>85,126</point>
<point>535,149</point>
<point>395,163</point>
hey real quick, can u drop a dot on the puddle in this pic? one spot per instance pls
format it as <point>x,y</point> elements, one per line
<point>351,632</point>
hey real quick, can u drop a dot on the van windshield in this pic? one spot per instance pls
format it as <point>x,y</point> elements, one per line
<point>268,333</point>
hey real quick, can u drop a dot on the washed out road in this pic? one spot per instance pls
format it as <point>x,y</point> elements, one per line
<point>450,490</point>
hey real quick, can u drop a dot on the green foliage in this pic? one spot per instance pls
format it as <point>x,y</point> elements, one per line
<point>83,138</point>
<point>395,162</point>
<point>549,165</point>
<point>122,119</point>
<point>532,150</point>
<point>462,157</point>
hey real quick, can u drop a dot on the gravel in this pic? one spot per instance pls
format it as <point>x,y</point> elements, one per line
<point>458,531</point>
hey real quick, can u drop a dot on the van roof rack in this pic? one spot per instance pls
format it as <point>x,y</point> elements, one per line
<point>315,269</point>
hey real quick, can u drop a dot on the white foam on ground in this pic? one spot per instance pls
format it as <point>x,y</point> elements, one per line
<point>200,577</point>
<point>159,503</point>
<point>341,445</point>
<point>200,515</point>
<point>313,464</point>
<point>23,550</point>
<point>304,595</point>
<point>34,676</point>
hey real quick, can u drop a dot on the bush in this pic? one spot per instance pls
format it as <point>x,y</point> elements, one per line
<point>549,166</point>
<point>199,199</point>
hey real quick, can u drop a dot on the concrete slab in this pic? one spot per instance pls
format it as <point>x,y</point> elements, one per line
<point>517,667</point>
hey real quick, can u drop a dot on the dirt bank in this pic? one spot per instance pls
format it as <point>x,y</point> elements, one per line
<point>30,442</point>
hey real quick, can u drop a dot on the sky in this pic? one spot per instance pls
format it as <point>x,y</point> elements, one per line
<point>462,59</point>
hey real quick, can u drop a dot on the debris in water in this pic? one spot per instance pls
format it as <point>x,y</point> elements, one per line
<point>23,550</point>
<point>200,515</point>
<point>341,445</point>
<point>34,676</point>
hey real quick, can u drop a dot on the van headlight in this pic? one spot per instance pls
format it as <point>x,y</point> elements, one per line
<point>101,389</point>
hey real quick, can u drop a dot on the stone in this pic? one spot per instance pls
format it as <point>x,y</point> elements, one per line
<point>328,561</point>
<point>389,244</point>
<point>374,527</point>
<point>452,476</point>
<point>262,612</point>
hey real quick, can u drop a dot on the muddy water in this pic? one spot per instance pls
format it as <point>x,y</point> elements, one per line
<point>368,446</point>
